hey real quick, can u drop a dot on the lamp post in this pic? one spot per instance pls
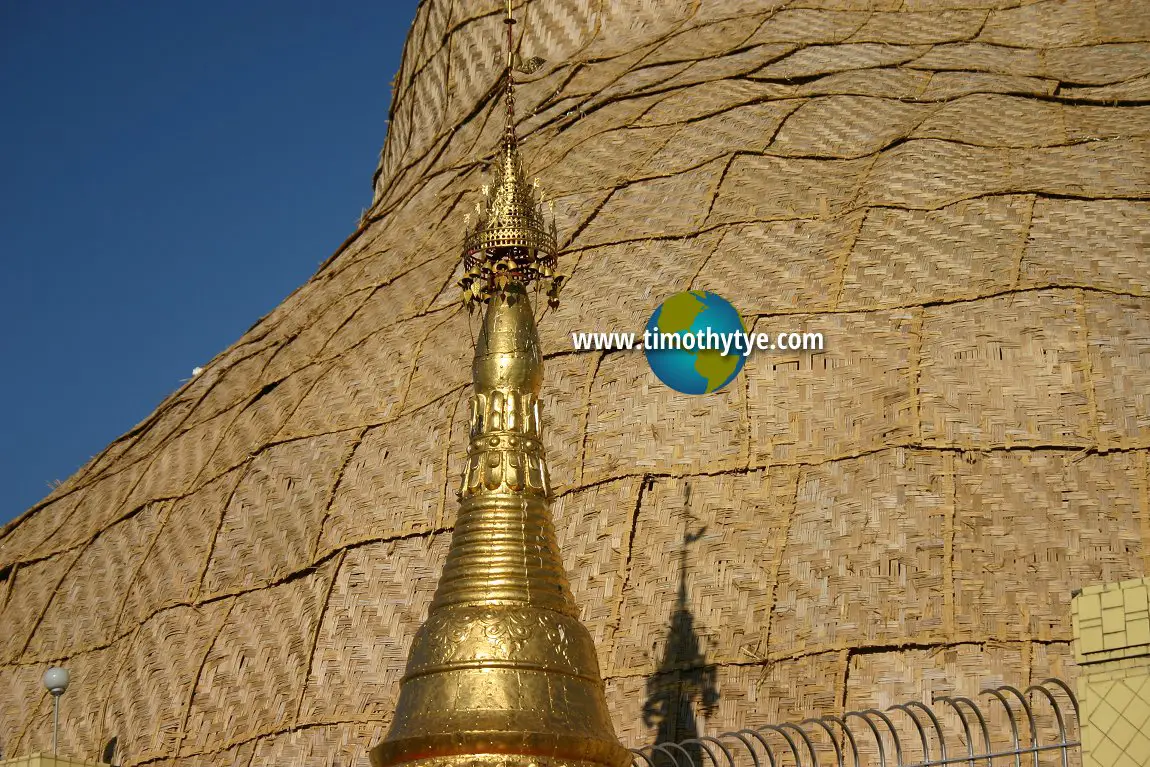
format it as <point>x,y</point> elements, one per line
<point>56,680</point>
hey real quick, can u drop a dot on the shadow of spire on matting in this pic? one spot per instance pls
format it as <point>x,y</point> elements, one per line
<point>684,683</point>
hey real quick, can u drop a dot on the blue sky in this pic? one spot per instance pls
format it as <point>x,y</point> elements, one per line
<point>170,172</point>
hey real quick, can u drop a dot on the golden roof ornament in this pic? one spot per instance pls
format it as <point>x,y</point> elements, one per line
<point>510,239</point>
<point>502,673</point>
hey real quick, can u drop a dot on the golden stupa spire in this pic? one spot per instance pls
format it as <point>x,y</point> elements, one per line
<point>502,673</point>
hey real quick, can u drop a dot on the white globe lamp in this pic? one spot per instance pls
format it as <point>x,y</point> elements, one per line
<point>56,682</point>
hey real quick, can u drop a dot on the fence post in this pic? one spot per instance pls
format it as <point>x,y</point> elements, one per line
<point>1112,648</point>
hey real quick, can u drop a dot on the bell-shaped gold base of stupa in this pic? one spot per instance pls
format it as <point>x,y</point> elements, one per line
<point>513,683</point>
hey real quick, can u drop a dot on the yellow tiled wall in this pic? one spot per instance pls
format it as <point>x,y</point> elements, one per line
<point>1112,648</point>
<point>47,760</point>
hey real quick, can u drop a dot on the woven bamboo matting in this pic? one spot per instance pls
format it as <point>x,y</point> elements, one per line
<point>956,193</point>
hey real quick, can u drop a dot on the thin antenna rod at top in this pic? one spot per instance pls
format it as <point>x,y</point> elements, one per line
<point>510,21</point>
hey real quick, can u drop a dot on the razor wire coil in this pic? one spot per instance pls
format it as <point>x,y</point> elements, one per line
<point>909,734</point>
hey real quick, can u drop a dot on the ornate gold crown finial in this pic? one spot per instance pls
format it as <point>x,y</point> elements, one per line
<point>502,673</point>
<point>510,240</point>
